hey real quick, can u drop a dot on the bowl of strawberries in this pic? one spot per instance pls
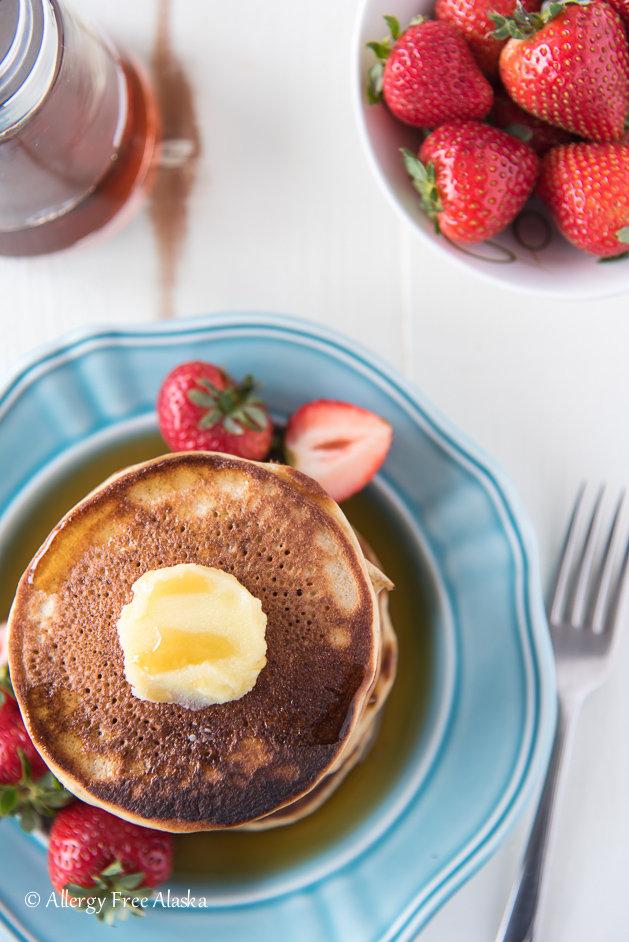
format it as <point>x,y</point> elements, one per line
<point>498,131</point>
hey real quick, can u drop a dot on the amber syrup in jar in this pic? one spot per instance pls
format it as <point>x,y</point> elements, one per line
<point>78,129</point>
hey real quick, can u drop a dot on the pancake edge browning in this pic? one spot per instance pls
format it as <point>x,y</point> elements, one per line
<point>366,730</point>
<point>311,491</point>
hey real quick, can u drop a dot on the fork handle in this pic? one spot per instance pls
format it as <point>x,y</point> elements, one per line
<point>523,908</point>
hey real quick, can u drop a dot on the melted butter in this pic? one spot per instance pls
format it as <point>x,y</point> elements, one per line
<point>174,605</point>
<point>177,649</point>
<point>191,635</point>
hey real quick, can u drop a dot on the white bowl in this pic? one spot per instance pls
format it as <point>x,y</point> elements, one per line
<point>530,256</point>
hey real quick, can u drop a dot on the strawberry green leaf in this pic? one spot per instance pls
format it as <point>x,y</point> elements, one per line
<point>614,258</point>
<point>8,799</point>
<point>6,687</point>
<point>381,49</point>
<point>51,791</point>
<point>522,24</point>
<point>257,416</point>
<point>208,385</point>
<point>503,26</point>
<point>30,801</point>
<point>29,819</point>
<point>553,8</point>
<point>394,26</point>
<point>229,406</point>
<point>414,167</point>
<point>76,891</point>
<point>213,417</point>
<point>247,385</point>
<point>242,418</point>
<point>375,83</point>
<point>424,180</point>
<point>26,766</point>
<point>131,881</point>
<point>201,399</point>
<point>57,799</point>
<point>231,426</point>
<point>227,401</point>
<point>111,879</point>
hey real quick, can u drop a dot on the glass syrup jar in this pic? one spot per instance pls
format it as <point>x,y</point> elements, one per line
<point>78,129</point>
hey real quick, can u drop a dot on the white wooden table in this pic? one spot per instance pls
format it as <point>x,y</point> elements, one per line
<point>282,214</point>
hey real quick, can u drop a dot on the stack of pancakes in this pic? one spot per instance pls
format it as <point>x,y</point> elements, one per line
<point>264,760</point>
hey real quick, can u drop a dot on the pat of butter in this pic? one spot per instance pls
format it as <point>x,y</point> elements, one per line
<point>192,635</point>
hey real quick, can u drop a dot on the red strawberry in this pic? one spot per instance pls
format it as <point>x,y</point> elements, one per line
<point>13,738</point>
<point>622,9</point>
<point>569,66</point>
<point>338,444</point>
<point>473,19</point>
<point>429,76</point>
<point>538,134</point>
<point>200,407</point>
<point>586,188</point>
<point>92,850</point>
<point>473,179</point>
<point>27,789</point>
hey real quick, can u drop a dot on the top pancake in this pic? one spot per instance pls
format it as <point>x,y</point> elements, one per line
<point>365,731</point>
<point>160,764</point>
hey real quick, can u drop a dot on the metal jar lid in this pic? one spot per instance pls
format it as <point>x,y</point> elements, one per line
<point>29,47</point>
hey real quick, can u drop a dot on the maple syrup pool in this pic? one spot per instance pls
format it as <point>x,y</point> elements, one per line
<point>227,858</point>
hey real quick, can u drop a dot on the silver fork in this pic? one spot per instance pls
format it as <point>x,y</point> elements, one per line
<point>582,617</point>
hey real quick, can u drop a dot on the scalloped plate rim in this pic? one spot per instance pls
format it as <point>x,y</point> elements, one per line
<point>470,857</point>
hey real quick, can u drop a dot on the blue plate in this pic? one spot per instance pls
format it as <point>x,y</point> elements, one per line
<point>468,729</point>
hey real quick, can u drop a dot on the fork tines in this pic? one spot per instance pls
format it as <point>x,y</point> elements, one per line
<point>588,592</point>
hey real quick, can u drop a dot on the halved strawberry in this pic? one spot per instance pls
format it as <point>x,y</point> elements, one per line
<point>338,444</point>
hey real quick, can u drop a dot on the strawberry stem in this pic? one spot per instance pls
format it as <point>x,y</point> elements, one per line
<point>523,24</point>
<point>235,407</point>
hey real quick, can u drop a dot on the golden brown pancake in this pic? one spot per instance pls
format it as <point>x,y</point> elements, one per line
<point>161,764</point>
<point>366,729</point>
